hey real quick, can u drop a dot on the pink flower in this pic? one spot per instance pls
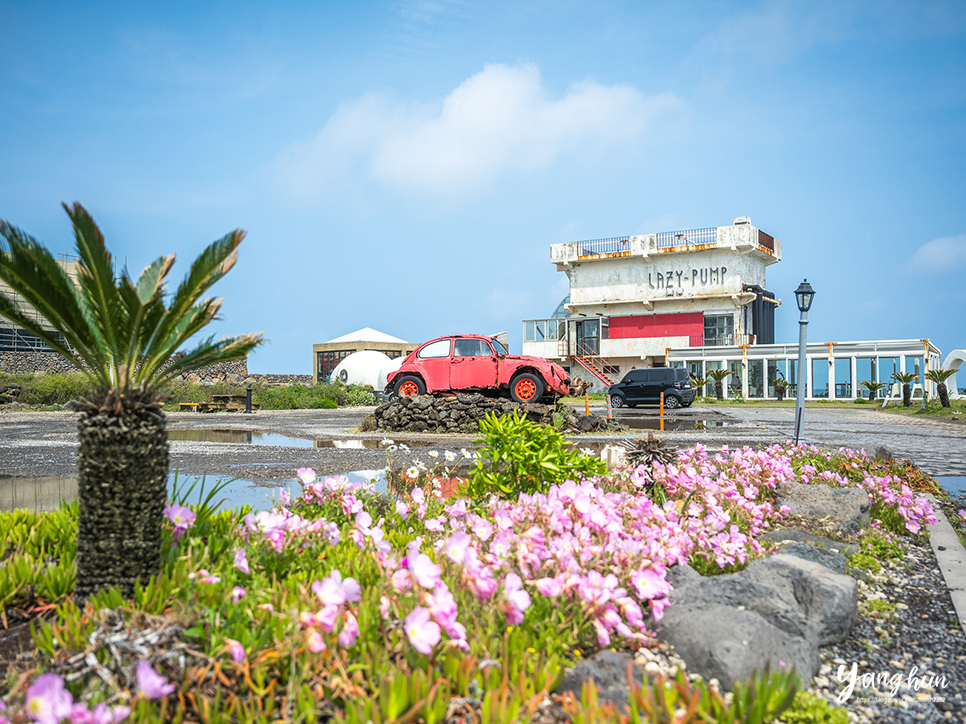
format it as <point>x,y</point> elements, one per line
<point>236,650</point>
<point>518,599</point>
<point>384,607</point>
<point>241,561</point>
<point>267,607</point>
<point>333,590</point>
<point>306,476</point>
<point>314,642</point>
<point>181,516</point>
<point>422,631</point>
<point>327,616</point>
<point>350,630</point>
<point>401,580</point>
<point>47,700</point>
<point>424,570</point>
<point>151,683</point>
<point>237,593</point>
<point>402,509</point>
<point>550,587</point>
<point>103,715</point>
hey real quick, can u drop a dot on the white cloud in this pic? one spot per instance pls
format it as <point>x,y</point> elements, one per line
<point>945,254</point>
<point>497,122</point>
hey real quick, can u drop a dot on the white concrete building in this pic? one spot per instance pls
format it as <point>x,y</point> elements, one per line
<point>633,297</point>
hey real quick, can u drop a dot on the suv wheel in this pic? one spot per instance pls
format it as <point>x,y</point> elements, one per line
<point>672,401</point>
<point>410,386</point>
<point>526,388</point>
<point>617,400</point>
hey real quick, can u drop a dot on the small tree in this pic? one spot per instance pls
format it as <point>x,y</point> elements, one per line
<point>780,385</point>
<point>906,378</point>
<point>940,377</point>
<point>873,387</point>
<point>718,376</point>
<point>124,335</point>
<point>698,383</point>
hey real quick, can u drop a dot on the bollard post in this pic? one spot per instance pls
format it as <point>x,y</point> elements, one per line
<point>610,413</point>
<point>248,400</point>
<point>587,404</point>
<point>662,412</point>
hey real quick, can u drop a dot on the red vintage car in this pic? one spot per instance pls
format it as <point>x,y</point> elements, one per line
<point>475,362</point>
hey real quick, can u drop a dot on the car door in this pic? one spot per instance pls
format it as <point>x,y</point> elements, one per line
<point>473,365</point>
<point>433,361</point>
<point>656,382</point>
<point>634,386</point>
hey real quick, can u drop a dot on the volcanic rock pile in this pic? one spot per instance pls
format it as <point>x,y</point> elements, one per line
<point>463,412</point>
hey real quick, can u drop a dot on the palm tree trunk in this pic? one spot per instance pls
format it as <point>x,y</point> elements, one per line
<point>717,390</point>
<point>122,491</point>
<point>943,394</point>
<point>906,396</point>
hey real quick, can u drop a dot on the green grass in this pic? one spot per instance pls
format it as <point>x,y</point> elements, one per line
<point>957,408</point>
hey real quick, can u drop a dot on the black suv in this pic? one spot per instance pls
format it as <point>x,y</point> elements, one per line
<point>644,387</point>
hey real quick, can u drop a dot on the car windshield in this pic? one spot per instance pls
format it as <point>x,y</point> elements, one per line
<point>498,345</point>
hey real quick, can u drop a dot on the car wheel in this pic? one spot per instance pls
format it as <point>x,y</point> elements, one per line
<point>526,388</point>
<point>616,401</point>
<point>670,402</point>
<point>410,386</point>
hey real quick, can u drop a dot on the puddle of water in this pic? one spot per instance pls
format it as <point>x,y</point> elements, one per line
<point>46,492</point>
<point>953,484</point>
<point>670,423</point>
<point>253,437</point>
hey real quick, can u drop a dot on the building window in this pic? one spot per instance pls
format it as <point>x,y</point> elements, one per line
<point>719,330</point>
<point>328,361</point>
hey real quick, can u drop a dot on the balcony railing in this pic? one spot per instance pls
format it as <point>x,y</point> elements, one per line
<point>604,247</point>
<point>766,241</point>
<point>688,237</point>
<point>727,340</point>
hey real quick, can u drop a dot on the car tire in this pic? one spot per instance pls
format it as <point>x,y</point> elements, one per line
<point>671,402</point>
<point>617,401</point>
<point>410,386</point>
<point>526,388</point>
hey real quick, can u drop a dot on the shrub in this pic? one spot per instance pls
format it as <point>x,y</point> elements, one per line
<point>867,562</point>
<point>807,708</point>
<point>523,457</point>
<point>52,389</point>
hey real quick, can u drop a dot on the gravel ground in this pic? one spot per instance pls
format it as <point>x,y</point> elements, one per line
<point>919,644</point>
<point>45,443</point>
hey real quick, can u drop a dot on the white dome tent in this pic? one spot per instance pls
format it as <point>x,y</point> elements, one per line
<point>366,368</point>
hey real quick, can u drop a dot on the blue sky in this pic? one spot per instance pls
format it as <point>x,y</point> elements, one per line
<point>406,165</point>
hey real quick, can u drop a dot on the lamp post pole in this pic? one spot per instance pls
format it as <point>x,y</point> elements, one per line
<point>803,297</point>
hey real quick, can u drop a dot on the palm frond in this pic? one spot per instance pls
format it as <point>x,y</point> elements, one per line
<point>96,279</point>
<point>30,270</point>
<point>213,263</point>
<point>209,352</point>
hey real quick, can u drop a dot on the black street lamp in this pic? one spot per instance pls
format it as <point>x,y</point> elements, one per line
<point>803,297</point>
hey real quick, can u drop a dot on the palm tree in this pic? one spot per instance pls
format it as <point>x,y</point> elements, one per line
<point>123,338</point>
<point>906,378</point>
<point>718,377</point>
<point>873,387</point>
<point>780,385</point>
<point>698,384</point>
<point>940,377</point>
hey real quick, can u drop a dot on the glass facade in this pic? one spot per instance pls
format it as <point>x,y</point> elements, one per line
<point>865,370</point>
<point>820,377</point>
<point>756,378</point>
<point>843,377</point>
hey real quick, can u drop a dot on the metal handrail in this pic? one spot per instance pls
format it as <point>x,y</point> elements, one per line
<point>612,245</point>
<point>688,237</point>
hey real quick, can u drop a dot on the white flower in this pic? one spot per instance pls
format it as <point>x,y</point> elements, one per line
<point>433,454</point>
<point>413,472</point>
<point>450,456</point>
<point>403,446</point>
<point>387,442</point>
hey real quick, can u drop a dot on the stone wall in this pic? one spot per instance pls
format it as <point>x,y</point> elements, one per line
<point>27,363</point>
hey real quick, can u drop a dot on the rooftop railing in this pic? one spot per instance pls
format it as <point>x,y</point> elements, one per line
<point>613,245</point>
<point>688,237</point>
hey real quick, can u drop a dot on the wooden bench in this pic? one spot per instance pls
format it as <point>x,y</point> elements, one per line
<point>190,406</point>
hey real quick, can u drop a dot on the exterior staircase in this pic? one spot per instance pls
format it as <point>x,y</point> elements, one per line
<point>594,364</point>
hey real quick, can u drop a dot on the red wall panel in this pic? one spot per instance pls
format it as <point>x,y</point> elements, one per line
<point>657,325</point>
